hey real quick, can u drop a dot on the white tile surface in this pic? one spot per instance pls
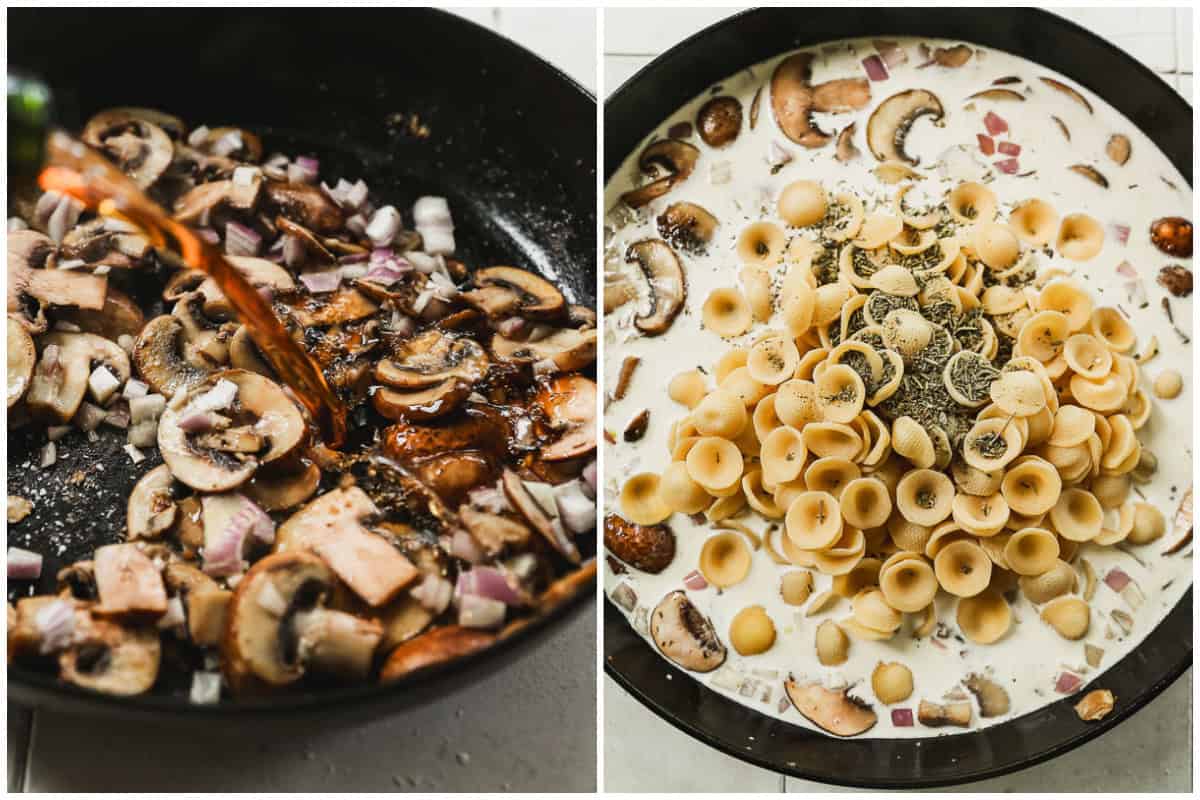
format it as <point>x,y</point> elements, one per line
<point>529,726</point>
<point>1152,751</point>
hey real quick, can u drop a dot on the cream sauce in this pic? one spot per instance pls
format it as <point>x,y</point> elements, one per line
<point>1027,661</point>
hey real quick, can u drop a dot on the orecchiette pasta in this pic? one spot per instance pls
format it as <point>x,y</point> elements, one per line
<point>865,503</point>
<point>720,413</point>
<point>802,203</point>
<point>761,244</point>
<point>962,568</point>
<point>985,617</point>
<point>715,463</point>
<point>1080,237</point>
<point>814,521</point>
<point>892,683</point>
<point>725,559</point>
<point>925,496</point>
<point>726,312</point>
<point>1031,551</point>
<point>640,500</point>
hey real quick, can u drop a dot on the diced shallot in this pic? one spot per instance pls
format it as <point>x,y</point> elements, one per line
<point>209,235</point>
<point>206,688</point>
<point>303,170</point>
<point>1008,166</point>
<point>487,582</point>
<point>590,477</point>
<point>987,145</point>
<point>433,593</point>
<point>1009,148</point>
<point>103,384</point>
<point>228,144</point>
<point>55,624</point>
<point>464,546</point>
<point>147,408</point>
<point>88,417</point>
<point>218,398</point>
<point>24,565</point>
<point>576,510</point>
<point>135,455</point>
<point>695,581</point>
<point>49,455</point>
<point>1117,579</point>
<point>322,282</point>
<point>1120,232</point>
<point>902,717</point>
<point>480,612</point>
<point>134,388</point>
<point>994,123</point>
<point>293,250</point>
<point>1067,683</point>
<point>240,240</point>
<point>876,71</point>
<point>383,227</point>
<point>437,241</point>
<point>198,137</point>
<point>489,498</point>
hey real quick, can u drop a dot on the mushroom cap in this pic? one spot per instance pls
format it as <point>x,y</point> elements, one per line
<point>434,648</point>
<point>120,316</point>
<point>158,354</point>
<point>32,287</point>
<point>891,121</point>
<point>279,492</point>
<point>477,428</point>
<point>59,392</point>
<point>151,509</point>
<point>649,548</point>
<point>493,532</point>
<point>569,402</point>
<point>305,204</point>
<point>258,272</point>
<point>504,291</point>
<point>794,99</point>
<point>22,355</point>
<point>533,513</point>
<point>141,149</point>
<point>569,349</point>
<point>673,156</point>
<point>687,225</point>
<point>106,242</point>
<point>668,286</point>
<point>112,658</point>
<point>833,711</point>
<point>685,635</point>
<point>244,354</point>
<point>421,404</point>
<point>719,120</point>
<point>430,358</point>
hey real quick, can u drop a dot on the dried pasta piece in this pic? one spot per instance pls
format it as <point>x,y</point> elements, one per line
<point>906,332</point>
<point>725,559</point>
<point>795,587</point>
<point>1001,299</point>
<point>726,312</point>
<point>729,361</point>
<point>1019,393</point>
<point>1070,616</point>
<point>925,496</point>
<point>833,646</point>
<point>831,474</point>
<point>971,202</point>
<point>974,481</point>
<point>803,203</point>
<point>1077,516</point>
<point>640,500</point>
<point>1080,237</point>
<point>783,455</point>
<point>845,215</point>
<point>773,360</point>
<point>992,444</point>
<point>757,283</point>
<point>687,388</point>
<point>741,383</point>
<point>725,507</point>
<point>765,418</point>
<point>1088,356</point>
<point>877,229</point>
<point>721,413</point>
<point>918,220</point>
<point>757,497</point>
<point>1043,335</point>
<point>1148,524</point>
<point>895,280</point>
<point>912,241</point>
<point>864,575</point>
<point>865,503</point>
<point>1031,551</point>
<point>1035,221</point>
<point>680,493</point>
<point>1068,298</point>
<point>892,682</point>
<point>871,610</point>
<point>1072,426</point>
<point>996,245</point>
<point>714,463</point>
<point>1112,490</point>
<point>911,441</point>
<point>908,536</point>
<point>814,521</point>
<point>796,403</point>
<point>761,244</point>
<point>981,516</point>
<point>1114,330</point>
<point>1060,579</point>
<point>841,557</point>
<point>962,568</point>
<point>909,584</point>
<point>984,618</point>
<point>840,394</point>
<point>752,631</point>
<point>832,439</point>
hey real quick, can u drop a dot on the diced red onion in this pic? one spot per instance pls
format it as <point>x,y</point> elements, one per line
<point>353,271</point>
<point>489,498</point>
<point>240,240</point>
<point>357,224</point>
<point>695,581</point>
<point>987,145</point>
<point>891,53</point>
<point>1067,683</point>
<point>590,477</point>
<point>173,616</point>
<point>401,324</point>
<point>224,556</point>
<point>206,688</point>
<point>303,170</point>
<point>480,612</point>
<point>117,416</point>
<point>356,195</point>
<point>44,208</point>
<point>1117,579</point>
<point>437,241</point>
<point>1008,166</point>
<point>229,143</point>
<point>24,565</point>
<point>88,417</point>
<point>309,163</point>
<point>902,717</point>
<point>103,384</point>
<point>423,262</point>
<point>48,456</point>
<point>293,250</point>
<point>512,327</point>
<point>245,176</point>
<point>994,123</point>
<point>1009,148</point>
<point>1126,270</point>
<point>432,211</point>
<point>218,398</point>
<point>323,281</point>
<point>55,624</point>
<point>1120,232</point>
<point>354,258</point>
<point>198,137</point>
<point>464,546</point>
<point>383,227</point>
<point>433,593</point>
<point>257,522</point>
<point>876,71</point>
<point>576,510</point>
<point>487,582</point>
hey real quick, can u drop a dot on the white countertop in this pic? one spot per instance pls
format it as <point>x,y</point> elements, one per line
<point>1150,752</point>
<point>526,724</point>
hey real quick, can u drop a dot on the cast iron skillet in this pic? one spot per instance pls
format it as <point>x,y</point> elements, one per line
<point>512,146</point>
<point>632,113</point>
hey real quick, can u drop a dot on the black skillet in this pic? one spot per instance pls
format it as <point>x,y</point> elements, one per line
<point>511,143</point>
<point>632,113</point>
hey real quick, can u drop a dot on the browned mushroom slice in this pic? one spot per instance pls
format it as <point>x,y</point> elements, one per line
<point>345,305</point>
<point>494,533</point>
<point>846,149</point>
<point>893,119</point>
<point>1173,236</point>
<point>111,658</point>
<point>832,710</point>
<point>794,99</point>
<point>121,316</point>
<point>306,204</point>
<point>1118,148</point>
<point>581,316</point>
<point>672,156</point>
<point>258,272</point>
<point>105,242</point>
<point>755,105</point>
<point>1059,86</point>
<point>569,402</point>
<point>649,548</point>
<point>1091,173</point>
<point>151,509</point>
<point>538,517</point>
<point>687,226</point>
<point>684,635</point>
<point>279,626</point>
<point>288,490</point>
<point>230,143</point>
<point>311,242</point>
<point>159,356</point>
<point>434,648</point>
<point>477,428</point>
<point>421,404</point>
<point>668,286</point>
<point>141,149</point>
<point>568,348</point>
<point>128,583</point>
<point>430,358</point>
<point>204,198</point>
<point>31,288</point>
<point>998,94</point>
<point>22,355</point>
<point>952,56</point>
<point>993,699</point>
<point>505,291</point>
<point>333,527</point>
<point>719,121</point>
<point>244,354</point>
<point>172,125</point>
<point>933,715</point>
<point>60,381</point>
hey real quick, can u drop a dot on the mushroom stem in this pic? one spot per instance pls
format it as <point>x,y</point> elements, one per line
<point>336,642</point>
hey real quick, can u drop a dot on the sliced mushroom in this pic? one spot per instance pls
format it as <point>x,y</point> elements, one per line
<point>794,99</point>
<point>31,287</point>
<point>128,583</point>
<point>1059,86</point>
<point>60,383</point>
<point>344,306</point>
<point>834,711</point>
<point>569,402</point>
<point>151,509</point>
<point>993,700</point>
<point>672,156</point>
<point>649,548</point>
<point>106,242</point>
<point>893,119</point>
<point>685,635</point>
<point>508,291</point>
<point>206,340</point>
<point>22,355</point>
<point>568,348</point>
<point>581,316</point>
<point>1091,173</point>
<point>202,200</point>
<point>952,56</point>
<point>258,272</point>
<point>244,354</point>
<point>421,404</point>
<point>493,533</point>
<point>120,316</point>
<point>237,143</point>
<point>332,526</point>
<point>453,475</point>
<point>719,121</point>
<point>311,242</point>
<point>668,286</point>
<point>1118,148</point>
<point>688,226</point>
<point>998,94</point>
<point>111,658</point>
<point>137,145</point>
<point>846,149</point>
<point>477,428</point>
<point>934,715</point>
<point>306,204</point>
<point>279,627</point>
<point>434,648</point>
<point>279,492</point>
<point>430,358</point>
<point>538,517</point>
<point>158,354</point>
<point>1171,235</point>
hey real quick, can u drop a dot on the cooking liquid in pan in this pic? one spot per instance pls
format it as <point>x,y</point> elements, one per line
<point>78,171</point>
